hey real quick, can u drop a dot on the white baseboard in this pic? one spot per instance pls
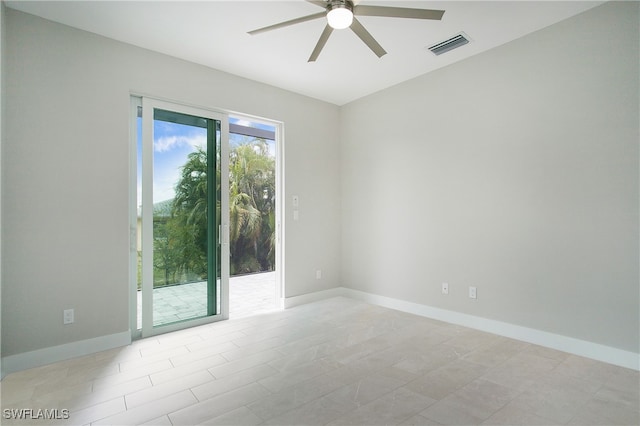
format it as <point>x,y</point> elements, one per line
<point>567,344</point>
<point>40,357</point>
<point>627,359</point>
<point>290,302</point>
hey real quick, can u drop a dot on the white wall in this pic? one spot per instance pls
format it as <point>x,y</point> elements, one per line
<point>515,171</point>
<point>65,176</point>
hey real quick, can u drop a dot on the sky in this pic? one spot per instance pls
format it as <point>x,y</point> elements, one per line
<point>171,145</point>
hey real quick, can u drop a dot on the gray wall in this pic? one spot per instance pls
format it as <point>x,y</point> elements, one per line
<point>2,98</point>
<point>515,171</point>
<point>65,176</point>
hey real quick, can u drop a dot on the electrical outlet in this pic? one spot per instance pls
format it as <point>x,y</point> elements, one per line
<point>318,274</point>
<point>295,200</point>
<point>67,316</point>
<point>473,293</point>
<point>445,288</point>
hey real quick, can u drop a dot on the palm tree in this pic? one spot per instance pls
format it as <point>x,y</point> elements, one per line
<point>251,209</point>
<point>189,214</point>
<point>252,181</point>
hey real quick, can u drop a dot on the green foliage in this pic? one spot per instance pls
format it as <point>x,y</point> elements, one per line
<point>180,232</point>
<point>251,207</point>
<point>189,215</point>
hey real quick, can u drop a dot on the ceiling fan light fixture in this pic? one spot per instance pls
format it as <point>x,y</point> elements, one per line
<point>339,15</point>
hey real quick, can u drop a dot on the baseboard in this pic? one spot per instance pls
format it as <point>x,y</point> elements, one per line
<point>559,342</point>
<point>567,344</point>
<point>40,357</point>
<point>610,355</point>
<point>290,302</point>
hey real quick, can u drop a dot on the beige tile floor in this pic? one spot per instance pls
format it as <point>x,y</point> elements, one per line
<point>335,362</point>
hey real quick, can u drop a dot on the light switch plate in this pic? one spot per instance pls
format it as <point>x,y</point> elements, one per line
<point>67,316</point>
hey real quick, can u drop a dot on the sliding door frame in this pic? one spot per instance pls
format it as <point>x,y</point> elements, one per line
<point>148,104</point>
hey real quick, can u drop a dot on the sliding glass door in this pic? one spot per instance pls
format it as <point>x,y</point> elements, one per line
<point>182,167</point>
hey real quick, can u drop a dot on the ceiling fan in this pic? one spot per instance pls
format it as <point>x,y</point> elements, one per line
<point>340,14</point>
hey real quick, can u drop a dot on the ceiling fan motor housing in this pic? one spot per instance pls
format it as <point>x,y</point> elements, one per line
<point>337,4</point>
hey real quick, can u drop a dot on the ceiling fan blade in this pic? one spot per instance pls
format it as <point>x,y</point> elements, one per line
<point>398,12</point>
<point>320,3</point>
<point>368,39</point>
<point>287,23</point>
<point>321,42</point>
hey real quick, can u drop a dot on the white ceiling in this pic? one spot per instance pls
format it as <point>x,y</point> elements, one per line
<point>214,33</point>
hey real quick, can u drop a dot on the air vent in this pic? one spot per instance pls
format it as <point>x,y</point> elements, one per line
<point>447,45</point>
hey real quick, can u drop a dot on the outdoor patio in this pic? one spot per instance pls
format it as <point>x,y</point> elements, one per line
<point>248,295</point>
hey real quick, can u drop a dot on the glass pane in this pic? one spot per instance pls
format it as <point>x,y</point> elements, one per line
<point>181,239</point>
<point>252,217</point>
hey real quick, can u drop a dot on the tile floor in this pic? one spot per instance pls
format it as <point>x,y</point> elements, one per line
<point>252,294</point>
<point>248,295</point>
<point>334,362</point>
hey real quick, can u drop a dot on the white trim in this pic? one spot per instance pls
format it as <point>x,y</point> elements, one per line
<point>225,256</point>
<point>146,203</point>
<point>180,325</point>
<point>290,302</point>
<point>280,209</point>
<point>40,357</point>
<point>135,102</point>
<point>559,342</point>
